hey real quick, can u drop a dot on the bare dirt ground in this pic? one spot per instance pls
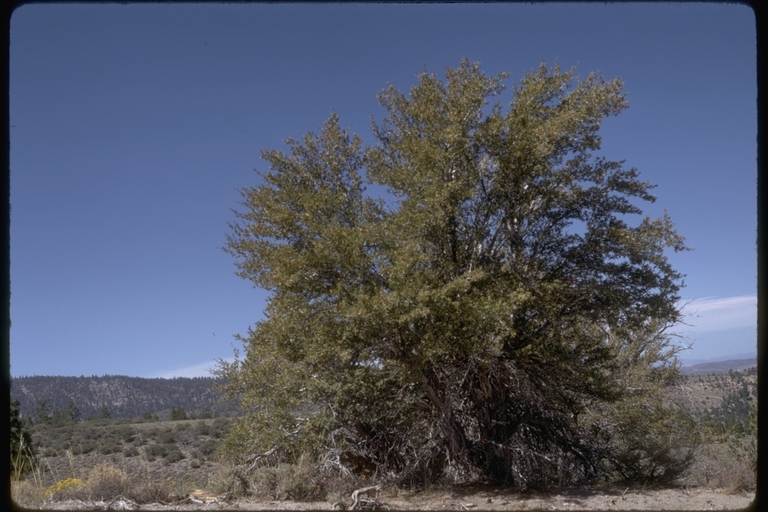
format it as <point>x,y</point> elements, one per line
<point>470,498</point>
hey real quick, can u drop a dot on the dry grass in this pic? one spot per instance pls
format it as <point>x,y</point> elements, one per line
<point>27,494</point>
<point>106,481</point>
<point>298,482</point>
<point>152,491</point>
<point>730,466</point>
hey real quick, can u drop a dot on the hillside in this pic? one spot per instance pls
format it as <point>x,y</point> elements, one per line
<point>124,397</point>
<point>726,397</point>
<point>130,397</point>
<point>720,366</point>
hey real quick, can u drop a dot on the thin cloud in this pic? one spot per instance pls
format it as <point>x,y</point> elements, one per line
<point>721,313</point>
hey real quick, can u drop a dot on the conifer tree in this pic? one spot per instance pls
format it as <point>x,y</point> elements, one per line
<point>497,314</point>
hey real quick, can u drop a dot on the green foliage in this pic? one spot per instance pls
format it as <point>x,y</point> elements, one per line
<point>43,411</point>
<point>202,428</point>
<point>470,324</point>
<point>293,481</point>
<point>734,411</point>
<point>178,413</point>
<point>111,447</point>
<point>208,448</point>
<point>60,417</point>
<point>166,437</point>
<point>23,458</point>
<point>153,451</point>
<point>104,414</point>
<point>106,481</point>
<point>73,412</point>
<point>174,455</point>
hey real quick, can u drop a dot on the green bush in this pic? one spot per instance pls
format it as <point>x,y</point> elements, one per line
<point>174,455</point>
<point>84,447</point>
<point>208,448</point>
<point>151,451</point>
<point>202,429</point>
<point>219,427</point>
<point>153,433</point>
<point>108,448</point>
<point>131,451</point>
<point>178,414</point>
<point>182,427</point>
<point>125,433</point>
<point>106,482</point>
<point>298,481</point>
<point>166,437</point>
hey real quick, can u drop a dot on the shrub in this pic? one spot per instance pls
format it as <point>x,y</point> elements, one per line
<point>219,427</point>
<point>151,491</point>
<point>153,450</point>
<point>182,427</point>
<point>71,488</point>
<point>174,455</point>
<point>50,452</point>
<point>26,493</point>
<point>716,465</point>
<point>153,432</point>
<point>726,459</point>
<point>108,448</point>
<point>178,414</point>
<point>166,437</point>
<point>297,481</point>
<point>229,481</point>
<point>88,432</point>
<point>131,451</point>
<point>202,429</point>
<point>86,446</point>
<point>208,448</point>
<point>125,433</point>
<point>105,481</point>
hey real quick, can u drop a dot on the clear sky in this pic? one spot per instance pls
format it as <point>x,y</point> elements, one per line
<point>133,126</point>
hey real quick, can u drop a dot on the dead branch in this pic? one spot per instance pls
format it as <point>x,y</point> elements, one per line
<point>356,495</point>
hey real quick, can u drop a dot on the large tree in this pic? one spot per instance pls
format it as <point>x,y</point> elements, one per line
<point>497,314</point>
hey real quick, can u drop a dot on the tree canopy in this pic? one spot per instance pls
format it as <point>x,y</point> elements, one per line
<point>499,313</point>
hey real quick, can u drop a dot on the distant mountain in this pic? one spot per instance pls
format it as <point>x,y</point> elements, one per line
<point>730,357</point>
<point>720,366</point>
<point>125,397</point>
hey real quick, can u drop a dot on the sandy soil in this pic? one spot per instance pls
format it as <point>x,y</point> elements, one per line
<point>477,498</point>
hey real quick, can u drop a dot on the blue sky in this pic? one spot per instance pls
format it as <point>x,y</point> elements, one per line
<point>133,126</point>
